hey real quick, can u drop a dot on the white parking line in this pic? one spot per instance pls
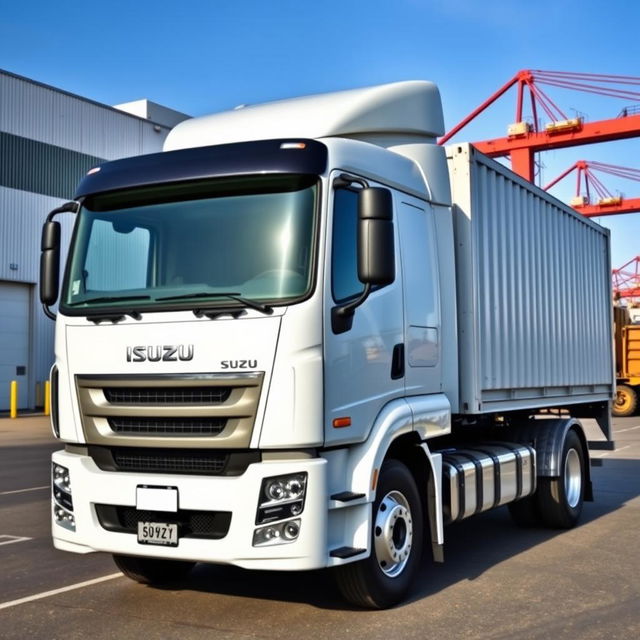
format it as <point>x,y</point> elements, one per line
<point>53,592</point>
<point>623,430</point>
<point>6,493</point>
<point>608,453</point>
<point>12,539</point>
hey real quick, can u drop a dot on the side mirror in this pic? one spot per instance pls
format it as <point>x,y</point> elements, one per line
<point>376,249</point>
<point>50,263</point>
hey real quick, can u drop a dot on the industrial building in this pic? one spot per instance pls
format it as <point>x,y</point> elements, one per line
<point>49,138</point>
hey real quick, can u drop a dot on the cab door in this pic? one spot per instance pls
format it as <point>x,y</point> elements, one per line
<point>422,330</point>
<point>361,373</point>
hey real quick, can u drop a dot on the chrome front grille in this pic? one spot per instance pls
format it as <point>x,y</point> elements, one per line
<point>194,410</point>
<point>169,395</point>
<point>168,426</point>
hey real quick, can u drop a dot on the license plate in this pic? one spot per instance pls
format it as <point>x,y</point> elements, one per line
<point>161,533</point>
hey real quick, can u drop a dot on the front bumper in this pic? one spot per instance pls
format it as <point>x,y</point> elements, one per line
<point>238,495</point>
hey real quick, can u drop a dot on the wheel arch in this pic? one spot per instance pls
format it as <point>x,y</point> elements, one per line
<point>547,437</point>
<point>400,433</point>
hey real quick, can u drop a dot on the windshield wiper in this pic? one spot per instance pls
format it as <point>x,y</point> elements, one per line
<point>109,299</point>
<point>252,304</point>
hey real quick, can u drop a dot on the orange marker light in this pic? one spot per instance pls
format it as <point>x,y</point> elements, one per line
<point>340,423</point>
<point>374,479</point>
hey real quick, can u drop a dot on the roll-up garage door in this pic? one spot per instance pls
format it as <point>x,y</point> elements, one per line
<point>14,342</point>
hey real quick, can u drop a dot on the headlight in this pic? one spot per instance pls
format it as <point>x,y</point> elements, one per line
<point>61,478</point>
<point>62,500</point>
<point>281,497</point>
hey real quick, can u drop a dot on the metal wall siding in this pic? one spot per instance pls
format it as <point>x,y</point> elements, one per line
<point>40,113</point>
<point>48,139</point>
<point>540,291</point>
<point>38,167</point>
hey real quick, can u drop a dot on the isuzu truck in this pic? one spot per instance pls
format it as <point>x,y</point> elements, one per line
<point>307,336</point>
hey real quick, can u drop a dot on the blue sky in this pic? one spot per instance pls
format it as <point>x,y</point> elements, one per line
<point>201,56</point>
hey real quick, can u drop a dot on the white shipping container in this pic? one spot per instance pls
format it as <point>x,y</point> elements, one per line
<point>533,293</point>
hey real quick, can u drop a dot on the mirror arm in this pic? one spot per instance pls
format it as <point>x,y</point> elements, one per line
<point>48,312</point>
<point>67,207</point>
<point>342,315</point>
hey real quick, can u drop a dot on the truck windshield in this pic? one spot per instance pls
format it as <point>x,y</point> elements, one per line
<point>189,245</point>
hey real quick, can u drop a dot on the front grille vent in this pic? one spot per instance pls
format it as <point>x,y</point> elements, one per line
<point>167,426</point>
<point>167,395</point>
<point>212,525</point>
<point>158,461</point>
<point>184,461</point>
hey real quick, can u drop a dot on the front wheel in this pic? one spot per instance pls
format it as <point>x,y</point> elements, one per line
<point>153,570</point>
<point>383,579</point>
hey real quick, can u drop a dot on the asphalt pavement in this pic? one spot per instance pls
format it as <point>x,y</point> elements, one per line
<point>498,581</point>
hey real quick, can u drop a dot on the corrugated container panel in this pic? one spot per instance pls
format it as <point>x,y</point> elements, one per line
<point>34,111</point>
<point>534,293</point>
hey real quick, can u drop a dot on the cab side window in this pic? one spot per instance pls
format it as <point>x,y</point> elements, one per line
<point>344,257</point>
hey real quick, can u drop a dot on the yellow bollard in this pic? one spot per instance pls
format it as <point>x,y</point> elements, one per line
<point>47,398</point>
<point>13,401</point>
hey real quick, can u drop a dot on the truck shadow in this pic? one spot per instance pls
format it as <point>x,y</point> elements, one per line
<point>471,548</point>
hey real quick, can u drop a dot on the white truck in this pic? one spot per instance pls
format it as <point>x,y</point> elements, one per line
<point>307,336</point>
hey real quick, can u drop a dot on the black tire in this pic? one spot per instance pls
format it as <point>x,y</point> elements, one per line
<point>626,401</point>
<point>153,570</point>
<point>381,581</point>
<point>560,499</point>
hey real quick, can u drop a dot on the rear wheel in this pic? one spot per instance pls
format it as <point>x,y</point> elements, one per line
<point>626,401</point>
<point>153,570</point>
<point>383,579</point>
<point>560,499</point>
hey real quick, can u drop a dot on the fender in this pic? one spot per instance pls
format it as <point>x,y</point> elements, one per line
<point>426,416</point>
<point>547,438</point>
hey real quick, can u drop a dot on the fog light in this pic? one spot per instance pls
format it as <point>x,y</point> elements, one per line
<point>64,518</point>
<point>291,529</point>
<point>282,533</point>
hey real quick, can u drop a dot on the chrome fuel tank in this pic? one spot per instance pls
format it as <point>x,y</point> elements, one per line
<point>484,476</point>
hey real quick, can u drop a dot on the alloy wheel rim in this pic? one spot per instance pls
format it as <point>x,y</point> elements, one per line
<point>393,534</point>
<point>572,478</point>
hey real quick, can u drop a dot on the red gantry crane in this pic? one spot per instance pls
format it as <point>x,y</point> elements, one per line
<point>524,139</point>
<point>626,280</point>
<point>592,197</point>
